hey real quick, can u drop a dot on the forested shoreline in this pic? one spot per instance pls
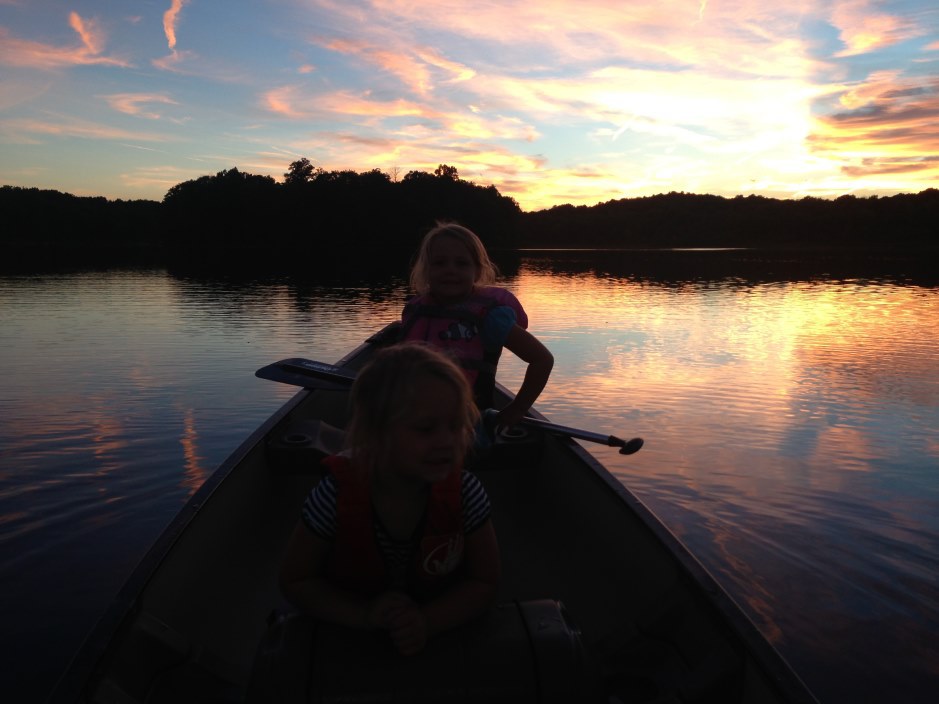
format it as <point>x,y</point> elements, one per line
<point>234,216</point>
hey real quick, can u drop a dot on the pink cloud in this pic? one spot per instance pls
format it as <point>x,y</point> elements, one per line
<point>31,54</point>
<point>171,20</point>
<point>134,103</point>
<point>290,101</point>
<point>88,31</point>
<point>863,29</point>
<point>413,67</point>
<point>27,130</point>
<point>890,126</point>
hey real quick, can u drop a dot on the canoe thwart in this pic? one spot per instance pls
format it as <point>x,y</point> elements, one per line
<point>299,445</point>
<point>522,651</point>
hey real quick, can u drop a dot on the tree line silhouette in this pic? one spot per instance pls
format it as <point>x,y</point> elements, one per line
<point>317,215</point>
<point>690,220</point>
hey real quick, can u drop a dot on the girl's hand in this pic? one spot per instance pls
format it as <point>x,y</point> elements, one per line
<point>381,609</point>
<point>510,415</point>
<point>397,613</point>
<point>408,629</point>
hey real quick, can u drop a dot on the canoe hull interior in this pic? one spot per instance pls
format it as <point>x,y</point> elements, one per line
<point>633,616</point>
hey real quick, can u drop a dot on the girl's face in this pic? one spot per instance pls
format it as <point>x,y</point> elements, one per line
<point>451,270</point>
<point>428,443</point>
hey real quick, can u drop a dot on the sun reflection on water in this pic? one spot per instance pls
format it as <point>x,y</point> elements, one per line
<point>789,425</point>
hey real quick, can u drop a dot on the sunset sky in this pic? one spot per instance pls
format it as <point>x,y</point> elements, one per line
<point>551,101</point>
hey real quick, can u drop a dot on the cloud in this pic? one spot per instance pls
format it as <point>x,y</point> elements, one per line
<point>888,125</point>
<point>294,102</point>
<point>29,131</point>
<point>88,31</point>
<point>31,54</point>
<point>414,68</point>
<point>661,87</point>
<point>170,22</point>
<point>148,178</point>
<point>557,36</point>
<point>176,61</point>
<point>863,29</point>
<point>551,99</point>
<point>893,166</point>
<point>134,103</point>
<point>639,65</point>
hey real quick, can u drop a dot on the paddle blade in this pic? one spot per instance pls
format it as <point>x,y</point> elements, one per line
<point>306,373</point>
<point>631,446</point>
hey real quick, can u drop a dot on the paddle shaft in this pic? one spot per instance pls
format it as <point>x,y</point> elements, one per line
<point>305,372</point>
<point>627,447</point>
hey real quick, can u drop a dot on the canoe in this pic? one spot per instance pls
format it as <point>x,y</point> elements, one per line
<point>598,602</point>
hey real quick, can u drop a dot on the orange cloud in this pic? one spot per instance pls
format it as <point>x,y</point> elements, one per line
<point>171,20</point>
<point>290,101</point>
<point>163,178</point>
<point>88,31</point>
<point>281,101</point>
<point>31,54</point>
<point>133,103</point>
<point>21,130</point>
<point>889,127</point>
<point>863,30</point>
<point>411,67</point>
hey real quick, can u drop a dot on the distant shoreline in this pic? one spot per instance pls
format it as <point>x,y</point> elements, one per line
<point>336,215</point>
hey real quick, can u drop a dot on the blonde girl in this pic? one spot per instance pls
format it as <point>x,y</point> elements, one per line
<point>458,309</point>
<point>398,536</point>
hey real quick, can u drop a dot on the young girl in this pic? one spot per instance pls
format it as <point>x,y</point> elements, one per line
<point>398,537</point>
<point>458,309</point>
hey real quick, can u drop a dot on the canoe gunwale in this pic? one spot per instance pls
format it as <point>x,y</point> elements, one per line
<point>771,661</point>
<point>80,672</point>
<point>98,646</point>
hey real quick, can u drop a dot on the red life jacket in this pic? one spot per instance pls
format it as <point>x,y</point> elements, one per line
<point>356,562</point>
<point>457,328</point>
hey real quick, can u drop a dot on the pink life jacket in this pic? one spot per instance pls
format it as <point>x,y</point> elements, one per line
<point>356,562</point>
<point>457,328</point>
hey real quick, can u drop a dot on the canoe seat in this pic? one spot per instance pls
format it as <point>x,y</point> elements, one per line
<point>158,664</point>
<point>519,652</point>
<point>298,445</point>
<point>516,448</point>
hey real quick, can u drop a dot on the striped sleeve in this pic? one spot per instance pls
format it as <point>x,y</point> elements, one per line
<point>476,506</point>
<point>319,509</point>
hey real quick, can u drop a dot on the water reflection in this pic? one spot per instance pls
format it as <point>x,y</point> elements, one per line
<point>195,472</point>
<point>789,442</point>
<point>789,426</point>
<point>741,267</point>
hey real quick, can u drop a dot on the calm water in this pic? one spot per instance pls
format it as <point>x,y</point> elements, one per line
<point>790,431</point>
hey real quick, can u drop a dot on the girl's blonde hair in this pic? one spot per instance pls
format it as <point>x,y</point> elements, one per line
<point>486,270</point>
<point>385,393</point>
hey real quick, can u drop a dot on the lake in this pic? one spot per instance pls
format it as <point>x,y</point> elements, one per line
<point>790,409</point>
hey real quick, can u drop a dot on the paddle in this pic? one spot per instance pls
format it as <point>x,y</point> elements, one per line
<point>310,374</point>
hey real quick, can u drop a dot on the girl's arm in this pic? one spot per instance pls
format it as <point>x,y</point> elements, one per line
<point>472,595</point>
<point>303,581</point>
<point>540,361</point>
